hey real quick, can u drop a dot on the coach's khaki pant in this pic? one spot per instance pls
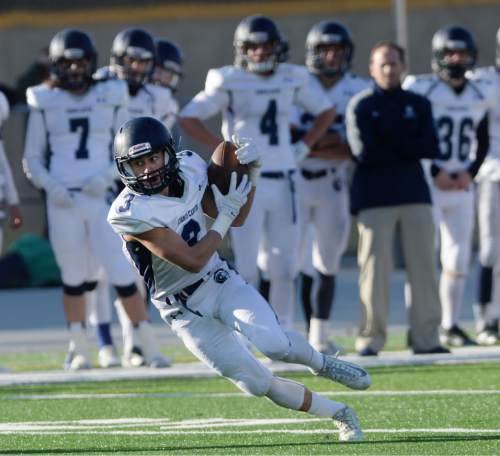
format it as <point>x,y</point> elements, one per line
<point>375,257</point>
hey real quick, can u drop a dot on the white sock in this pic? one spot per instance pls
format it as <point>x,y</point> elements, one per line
<point>282,300</point>
<point>78,336</point>
<point>301,352</point>
<point>129,337</point>
<point>295,396</point>
<point>451,291</point>
<point>324,407</point>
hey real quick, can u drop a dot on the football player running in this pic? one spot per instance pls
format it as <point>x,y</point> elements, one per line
<point>71,125</point>
<point>461,108</point>
<point>322,189</point>
<point>487,308</point>
<point>133,56</point>
<point>160,216</point>
<point>255,97</point>
<point>9,198</point>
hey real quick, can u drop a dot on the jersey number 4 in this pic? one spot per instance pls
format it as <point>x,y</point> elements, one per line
<point>268,125</point>
<point>81,125</point>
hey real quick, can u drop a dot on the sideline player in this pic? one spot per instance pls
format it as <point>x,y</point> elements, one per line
<point>160,216</point>
<point>255,97</point>
<point>9,198</point>
<point>132,60</point>
<point>487,308</point>
<point>71,125</point>
<point>322,188</point>
<point>460,107</point>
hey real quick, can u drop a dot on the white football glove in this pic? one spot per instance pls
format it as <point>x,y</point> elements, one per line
<point>301,150</point>
<point>229,205</point>
<point>59,196</point>
<point>96,185</point>
<point>249,154</point>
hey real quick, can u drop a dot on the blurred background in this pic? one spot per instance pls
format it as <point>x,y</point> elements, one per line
<point>204,31</point>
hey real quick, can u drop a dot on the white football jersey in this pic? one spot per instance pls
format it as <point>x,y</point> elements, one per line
<point>8,191</point>
<point>155,101</point>
<point>69,138</point>
<point>456,116</point>
<point>492,75</point>
<point>150,100</point>
<point>258,107</point>
<point>134,214</point>
<point>338,95</point>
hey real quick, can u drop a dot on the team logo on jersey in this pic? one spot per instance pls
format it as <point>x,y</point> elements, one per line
<point>221,275</point>
<point>409,112</point>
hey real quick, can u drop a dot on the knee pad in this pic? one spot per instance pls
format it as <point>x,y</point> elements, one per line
<point>75,290</point>
<point>277,347</point>
<point>126,291</point>
<point>257,384</point>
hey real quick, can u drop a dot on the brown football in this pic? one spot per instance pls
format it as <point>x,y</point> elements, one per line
<point>222,164</point>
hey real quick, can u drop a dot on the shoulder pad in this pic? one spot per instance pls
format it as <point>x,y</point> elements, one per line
<point>126,216</point>
<point>160,94</point>
<point>217,77</point>
<point>419,83</point>
<point>103,73</point>
<point>296,71</point>
<point>40,96</point>
<point>4,108</point>
<point>115,91</point>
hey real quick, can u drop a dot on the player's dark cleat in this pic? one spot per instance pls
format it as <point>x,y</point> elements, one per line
<point>455,337</point>
<point>367,352</point>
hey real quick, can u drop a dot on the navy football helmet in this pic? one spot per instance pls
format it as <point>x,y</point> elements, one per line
<point>133,44</point>
<point>141,137</point>
<point>72,59</point>
<point>168,65</point>
<point>327,33</point>
<point>255,30</point>
<point>453,38</point>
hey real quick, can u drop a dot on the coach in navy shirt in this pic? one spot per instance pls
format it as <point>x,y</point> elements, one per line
<point>389,131</point>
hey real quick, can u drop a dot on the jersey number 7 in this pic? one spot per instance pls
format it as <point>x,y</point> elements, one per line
<point>81,125</point>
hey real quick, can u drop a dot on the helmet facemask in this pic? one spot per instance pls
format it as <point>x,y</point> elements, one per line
<point>272,54</point>
<point>153,182</point>
<point>135,67</point>
<point>317,59</point>
<point>448,69</point>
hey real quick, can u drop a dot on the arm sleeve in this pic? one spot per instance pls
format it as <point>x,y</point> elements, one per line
<point>483,144</point>
<point>11,195</point>
<point>34,151</point>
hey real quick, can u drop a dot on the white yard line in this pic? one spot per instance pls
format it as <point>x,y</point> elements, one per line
<point>71,396</point>
<point>260,431</point>
<point>162,426</point>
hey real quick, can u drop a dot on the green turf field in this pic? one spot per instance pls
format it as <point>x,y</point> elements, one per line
<point>439,409</point>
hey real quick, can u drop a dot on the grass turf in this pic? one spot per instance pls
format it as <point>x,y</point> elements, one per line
<point>176,400</point>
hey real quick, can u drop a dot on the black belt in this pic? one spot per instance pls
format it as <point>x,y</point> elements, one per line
<point>273,174</point>
<point>311,175</point>
<point>182,296</point>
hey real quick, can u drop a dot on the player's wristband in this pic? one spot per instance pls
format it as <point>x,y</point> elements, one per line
<point>254,174</point>
<point>221,224</point>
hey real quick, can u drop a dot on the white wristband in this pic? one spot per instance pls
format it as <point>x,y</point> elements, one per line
<point>221,224</point>
<point>253,175</point>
